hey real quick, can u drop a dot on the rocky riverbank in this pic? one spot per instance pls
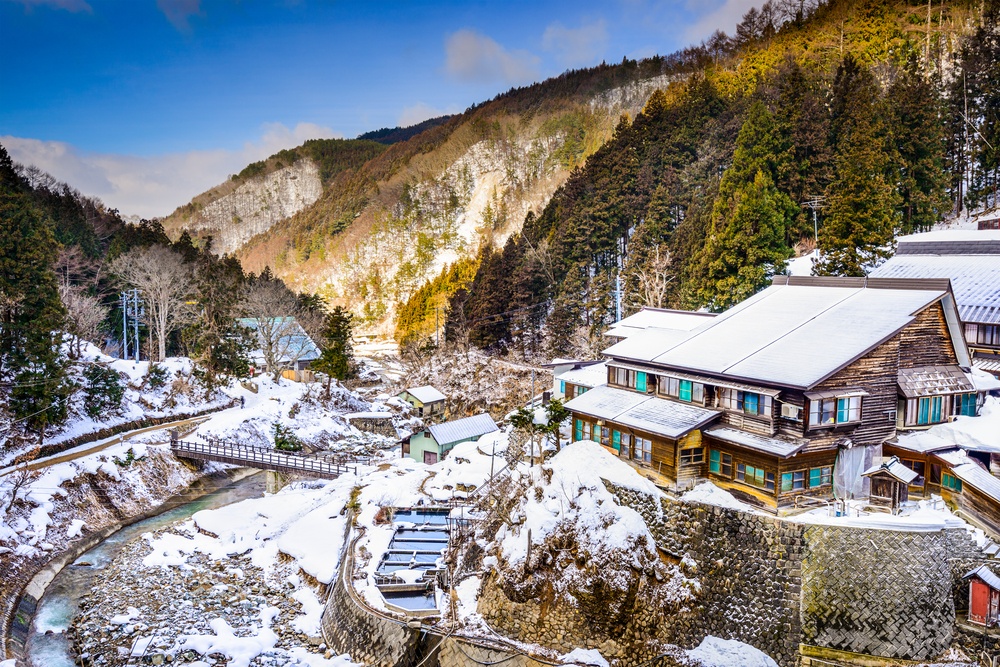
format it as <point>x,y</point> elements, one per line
<point>216,611</point>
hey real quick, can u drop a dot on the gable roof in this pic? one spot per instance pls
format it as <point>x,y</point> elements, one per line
<point>425,394</point>
<point>796,333</point>
<point>986,574</point>
<point>894,468</point>
<point>642,411</point>
<point>462,429</point>
<point>658,318</point>
<point>592,375</point>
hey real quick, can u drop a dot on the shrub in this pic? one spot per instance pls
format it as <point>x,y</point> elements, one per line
<point>285,439</point>
<point>104,390</point>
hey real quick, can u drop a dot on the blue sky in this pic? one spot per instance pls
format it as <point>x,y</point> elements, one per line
<point>145,103</point>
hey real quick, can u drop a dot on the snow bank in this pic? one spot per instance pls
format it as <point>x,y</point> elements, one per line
<point>715,652</point>
<point>981,433</point>
<point>710,494</point>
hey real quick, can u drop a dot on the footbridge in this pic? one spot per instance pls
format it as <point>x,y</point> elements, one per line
<point>262,459</point>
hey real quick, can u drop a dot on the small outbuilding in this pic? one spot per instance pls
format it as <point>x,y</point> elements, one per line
<point>426,400</point>
<point>890,483</point>
<point>434,442</point>
<point>984,596</point>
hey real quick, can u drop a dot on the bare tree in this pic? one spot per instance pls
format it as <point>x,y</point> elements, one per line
<point>21,477</point>
<point>164,281</point>
<point>274,309</point>
<point>655,279</point>
<point>84,315</point>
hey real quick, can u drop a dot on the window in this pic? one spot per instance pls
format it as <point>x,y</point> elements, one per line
<point>640,381</point>
<point>989,334</point>
<point>562,387</point>
<point>746,402</point>
<point>970,333</point>
<point>720,463</point>
<point>587,431</point>
<point>624,377</point>
<point>605,436</point>
<point>693,456</point>
<point>643,450</point>
<point>618,376</point>
<point>755,476</point>
<point>951,482</point>
<point>577,430</point>
<point>684,390</point>
<point>793,481</point>
<point>965,404</point>
<point>616,440</point>
<point>917,467</point>
<point>829,411</point>
<point>627,442</point>
<point>930,410</point>
<point>820,477</point>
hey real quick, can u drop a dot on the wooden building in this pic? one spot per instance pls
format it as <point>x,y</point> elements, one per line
<point>426,401</point>
<point>767,398</point>
<point>434,442</point>
<point>890,483</point>
<point>984,596</point>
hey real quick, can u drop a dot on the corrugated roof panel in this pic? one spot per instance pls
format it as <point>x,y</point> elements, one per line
<point>975,280</point>
<point>933,381</point>
<point>463,429</point>
<point>986,574</point>
<point>980,479</point>
<point>426,394</point>
<point>761,443</point>
<point>894,468</point>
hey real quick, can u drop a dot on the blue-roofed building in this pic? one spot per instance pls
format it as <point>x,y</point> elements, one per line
<point>434,442</point>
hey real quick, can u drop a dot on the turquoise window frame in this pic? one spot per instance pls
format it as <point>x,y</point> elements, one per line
<point>578,430</point>
<point>562,387</point>
<point>715,461</point>
<point>685,390</point>
<point>786,481</point>
<point>968,404</point>
<point>616,440</point>
<point>751,403</point>
<point>640,381</point>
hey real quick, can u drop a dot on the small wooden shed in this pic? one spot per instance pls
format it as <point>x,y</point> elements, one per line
<point>984,596</point>
<point>890,482</point>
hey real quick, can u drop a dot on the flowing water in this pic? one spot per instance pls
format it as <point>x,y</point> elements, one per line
<point>47,644</point>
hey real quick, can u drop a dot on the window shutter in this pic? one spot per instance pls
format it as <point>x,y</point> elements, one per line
<point>640,381</point>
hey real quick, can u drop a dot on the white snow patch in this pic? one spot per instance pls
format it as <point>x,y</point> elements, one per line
<point>715,652</point>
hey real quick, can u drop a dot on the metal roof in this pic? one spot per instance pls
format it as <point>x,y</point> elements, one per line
<point>919,443</point>
<point>933,381</point>
<point>760,443</point>
<point>986,574</point>
<point>893,467</point>
<point>670,419</point>
<point>291,339</point>
<point>593,375</point>
<point>791,335</point>
<point>988,363</point>
<point>463,429</point>
<point>660,318</point>
<point>975,278</point>
<point>979,478</point>
<point>426,394</point>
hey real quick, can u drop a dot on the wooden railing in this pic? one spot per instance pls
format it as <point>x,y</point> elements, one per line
<point>265,459</point>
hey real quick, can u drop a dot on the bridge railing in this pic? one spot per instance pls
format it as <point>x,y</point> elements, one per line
<point>254,455</point>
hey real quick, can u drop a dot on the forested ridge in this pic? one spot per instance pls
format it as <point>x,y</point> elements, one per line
<point>880,117</point>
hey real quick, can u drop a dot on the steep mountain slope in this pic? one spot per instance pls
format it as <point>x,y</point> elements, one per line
<point>265,192</point>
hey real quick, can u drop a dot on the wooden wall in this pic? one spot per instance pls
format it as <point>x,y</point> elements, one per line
<point>926,342</point>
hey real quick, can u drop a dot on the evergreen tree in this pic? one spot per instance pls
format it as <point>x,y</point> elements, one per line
<point>335,359</point>
<point>862,204</point>
<point>746,243</point>
<point>31,312</point>
<point>918,140</point>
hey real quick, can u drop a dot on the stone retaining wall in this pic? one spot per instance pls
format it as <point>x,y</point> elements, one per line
<point>381,426</point>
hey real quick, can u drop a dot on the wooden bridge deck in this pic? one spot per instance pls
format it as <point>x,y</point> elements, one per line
<point>262,459</point>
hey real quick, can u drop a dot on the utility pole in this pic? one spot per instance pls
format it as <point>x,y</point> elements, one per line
<point>618,296</point>
<point>124,300</point>
<point>437,328</point>
<point>135,320</point>
<point>815,202</point>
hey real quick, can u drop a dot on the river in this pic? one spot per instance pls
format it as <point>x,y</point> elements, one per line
<point>47,644</point>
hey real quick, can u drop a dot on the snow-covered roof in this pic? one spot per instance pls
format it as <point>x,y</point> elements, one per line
<point>893,467</point>
<point>988,363</point>
<point>659,318</point>
<point>463,429</point>
<point>292,339</point>
<point>986,574</point>
<point>761,443</point>
<point>979,478</point>
<point>795,333</point>
<point>593,375</point>
<point>425,394</point>
<point>933,381</point>
<point>670,419</point>
<point>977,434</point>
<point>970,259</point>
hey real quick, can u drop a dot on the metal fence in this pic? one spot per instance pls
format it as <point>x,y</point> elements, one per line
<point>254,457</point>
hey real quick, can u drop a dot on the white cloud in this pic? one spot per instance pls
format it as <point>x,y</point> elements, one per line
<point>724,18</point>
<point>68,5</point>
<point>420,112</point>
<point>471,56</point>
<point>153,186</point>
<point>574,47</point>
<point>179,11</point>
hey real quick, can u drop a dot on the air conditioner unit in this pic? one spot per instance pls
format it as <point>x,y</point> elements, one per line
<point>790,411</point>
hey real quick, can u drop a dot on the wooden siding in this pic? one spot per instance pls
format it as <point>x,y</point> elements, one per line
<point>926,342</point>
<point>664,456</point>
<point>877,374</point>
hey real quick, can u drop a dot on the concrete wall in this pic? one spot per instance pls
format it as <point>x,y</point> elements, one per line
<point>373,425</point>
